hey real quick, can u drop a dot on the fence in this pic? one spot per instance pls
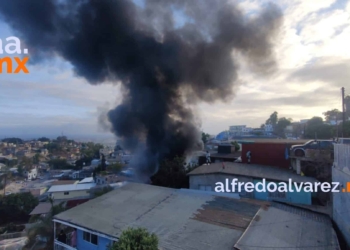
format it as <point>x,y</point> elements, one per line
<point>12,235</point>
<point>342,155</point>
<point>341,200</point>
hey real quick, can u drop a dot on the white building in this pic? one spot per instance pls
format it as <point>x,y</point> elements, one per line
<point>237,129</point>
<point>71,191</point>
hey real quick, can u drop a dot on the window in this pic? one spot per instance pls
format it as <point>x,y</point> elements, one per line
<point>92,238</point>
<point>66,193</point>
<point>204,188</point>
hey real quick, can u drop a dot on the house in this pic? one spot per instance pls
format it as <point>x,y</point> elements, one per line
<point>191,219</point>
<point>174,215</point>
<point>287,227</point>
<point>206,177</point>
<point>71,191</point>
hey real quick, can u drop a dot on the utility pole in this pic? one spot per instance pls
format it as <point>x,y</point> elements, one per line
<point>343,106</point>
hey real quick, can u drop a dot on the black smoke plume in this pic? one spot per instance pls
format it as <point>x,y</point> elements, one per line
<point>163,66</point>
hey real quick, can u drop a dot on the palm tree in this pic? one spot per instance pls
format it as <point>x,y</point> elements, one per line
<point>44,227</point>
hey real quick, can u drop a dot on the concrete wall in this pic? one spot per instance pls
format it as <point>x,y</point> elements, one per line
<point>71,195</point>
<point>341,201</point>
<point>82,244</point>
<point>211,179</point>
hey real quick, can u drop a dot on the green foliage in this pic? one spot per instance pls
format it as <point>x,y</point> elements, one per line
<point>281,125</point>
<point>333,114</point>
<point>26,162</point>
<point>44,225</point>
<point>36,158</point>
<point>16,207</point>
<point>237,147</point>
<point>115,167</point>
<point>53,147</point>
<point>172,173</point>
<point>316,128</point>
<point>43,139</point>
<point>59,164</point>
<point>205,137</point>
<point>91,150</point>
<point>20,169</point>
<point>136,239</point>
<point>13,140</point>
<point>273,119</point>
<point>346,129</point>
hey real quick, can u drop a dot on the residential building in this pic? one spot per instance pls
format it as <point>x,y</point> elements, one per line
<point>341,200</point>
<point>206,177</point>
<point>268,128</point>
<point>192,219</point>
<point>72,191</point>
<point>237,130</point>
<point>285,227</point>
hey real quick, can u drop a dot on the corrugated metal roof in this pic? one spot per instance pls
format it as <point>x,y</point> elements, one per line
<point>181,220</point>
<point>286,227</point>
<point>71,187</point>
<point>251,170</point>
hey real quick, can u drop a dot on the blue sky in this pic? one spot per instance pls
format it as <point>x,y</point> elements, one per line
<point>311,47</point>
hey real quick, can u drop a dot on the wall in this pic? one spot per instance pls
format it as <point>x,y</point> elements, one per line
<point>292,197</point>
<point>84,245</point>
<point>71,195</point>
<point>341,201</point>
<point>270,154</point>
<point>210,179</point>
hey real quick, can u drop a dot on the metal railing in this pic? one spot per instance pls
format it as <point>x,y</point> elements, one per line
<point>61,246</point>
<point>12,235</point>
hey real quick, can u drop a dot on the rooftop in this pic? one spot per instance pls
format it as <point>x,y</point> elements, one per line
<point>43,208</point>
<point>180,218</point>
<point>86,180</point>
<point>70,187</point>
<point>251,170</point>
<point>286,227</point>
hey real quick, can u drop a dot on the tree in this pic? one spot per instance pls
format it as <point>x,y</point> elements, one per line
<point>347,106</point>
<point>237,147</point>
<point>36,158</point>
<point>44,225</point>
<point>115,167</point>
<point>273,119</point>
<point>205,137</point>
<point>16,207</point>
<point>281,125</point>
<point>136,239</point>
<point>172,173</point>
<point>316,129</point>
<point>346,129</point>
<point>13,140</point>
<point>44,139</point>
<point>333,114</point>
<point>59,164</point>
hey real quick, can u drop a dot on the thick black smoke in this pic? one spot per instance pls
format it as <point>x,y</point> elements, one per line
<point>162,67</point>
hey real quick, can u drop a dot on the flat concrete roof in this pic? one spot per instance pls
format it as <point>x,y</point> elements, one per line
<point>180,218</point>
<point>286,227</point>
<point>251,170</point>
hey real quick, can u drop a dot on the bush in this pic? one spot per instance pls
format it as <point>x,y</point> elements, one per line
<point>136,239</point>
